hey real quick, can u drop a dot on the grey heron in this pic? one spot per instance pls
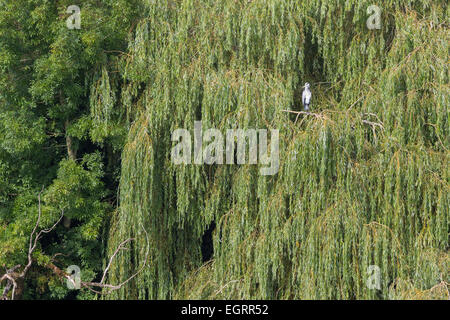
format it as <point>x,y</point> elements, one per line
<point>306,97</point>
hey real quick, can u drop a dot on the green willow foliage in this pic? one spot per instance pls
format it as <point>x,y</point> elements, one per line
<point>363,183</point>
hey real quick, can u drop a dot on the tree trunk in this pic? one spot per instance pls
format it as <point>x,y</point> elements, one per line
<point>72,153</point>
<point>71,150</point>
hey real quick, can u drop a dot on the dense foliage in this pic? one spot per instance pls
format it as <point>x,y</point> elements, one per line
<point>47,139</point>
<point>87,115</point>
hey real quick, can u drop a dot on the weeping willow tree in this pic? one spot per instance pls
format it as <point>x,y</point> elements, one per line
<point>363,182</point>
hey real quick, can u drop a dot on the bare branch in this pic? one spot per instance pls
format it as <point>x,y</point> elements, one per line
<point>12,277</point>
<point>31,247</point>
<point>38,236</point>
<point>120,247</point>
<point>317,115</point>
<point>110,287</point>
<point>117,287</point>
<point>8,287</point>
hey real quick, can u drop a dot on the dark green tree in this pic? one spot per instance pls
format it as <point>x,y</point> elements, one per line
<point>48,138</point>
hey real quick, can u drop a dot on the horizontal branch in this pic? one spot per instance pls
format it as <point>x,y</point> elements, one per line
<point>373,124</point>
<point>305,113</point>
<point>320,116</point>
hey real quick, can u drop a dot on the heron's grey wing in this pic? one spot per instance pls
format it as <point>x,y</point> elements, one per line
<point>308,97</point>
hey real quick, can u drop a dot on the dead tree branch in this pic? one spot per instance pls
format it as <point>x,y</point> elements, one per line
<point>12,277</point>
<point>120,247</point>
<point>111,287</point>
<point>298,113</point>
<point>33,244</point>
